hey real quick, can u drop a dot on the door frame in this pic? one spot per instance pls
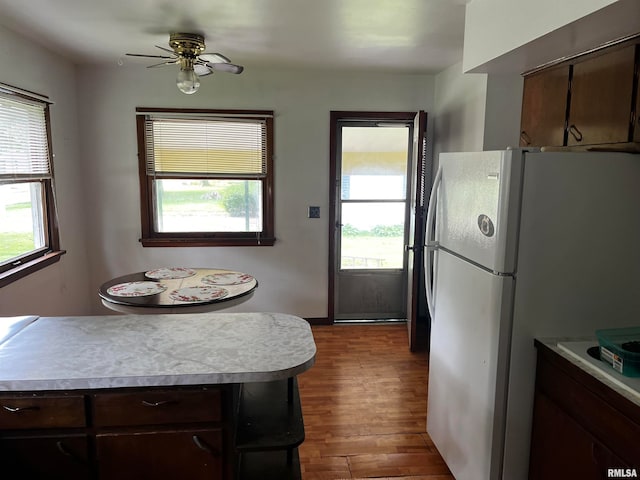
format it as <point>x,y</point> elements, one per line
<point>334,184</point>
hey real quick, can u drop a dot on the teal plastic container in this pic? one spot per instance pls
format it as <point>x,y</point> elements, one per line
<point>620,348</point>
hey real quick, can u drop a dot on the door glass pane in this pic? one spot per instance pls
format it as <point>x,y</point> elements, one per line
<point>188,205</point>
<point>21,220</point>
<point>372,235</point>
<point>373,196</point>
<point>374,163</point>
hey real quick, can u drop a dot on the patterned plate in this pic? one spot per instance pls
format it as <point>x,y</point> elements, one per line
<point>169,273</point>
<point>136,289</point>
<point>227,278</point>
<point>198,294</point>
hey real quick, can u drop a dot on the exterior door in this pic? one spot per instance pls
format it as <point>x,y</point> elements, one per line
<point>415,222</point>
<point>372,191</point>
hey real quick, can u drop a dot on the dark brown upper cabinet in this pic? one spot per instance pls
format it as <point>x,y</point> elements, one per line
<point>583,101</point>
<point>544,107</point>
<point>601,98</point>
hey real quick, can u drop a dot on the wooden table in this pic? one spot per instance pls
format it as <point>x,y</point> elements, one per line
<point>177,290</point>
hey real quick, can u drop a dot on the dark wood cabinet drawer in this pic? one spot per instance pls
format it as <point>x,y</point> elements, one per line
<point>46,411</point>
<point>156,407</point>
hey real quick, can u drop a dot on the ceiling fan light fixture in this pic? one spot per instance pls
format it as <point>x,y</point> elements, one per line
<point>188,80</point>
<point>186,51</point>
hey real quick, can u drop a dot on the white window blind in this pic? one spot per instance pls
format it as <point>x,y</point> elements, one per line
<point>24,150</point>
<point>214,147</point>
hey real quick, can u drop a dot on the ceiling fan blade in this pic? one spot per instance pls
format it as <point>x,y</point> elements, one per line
<point>214,58</point>
<point>168,62</point>
<point>165,49</point>
<point>146,56</point>
<point>201,69</point>
<point>225,67</point>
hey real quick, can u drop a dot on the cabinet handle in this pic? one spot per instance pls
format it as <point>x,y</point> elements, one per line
<point>18,409</point>
<point>525,138</point>
<point>63,450</point>
<point>573,130</point>
<point>201,444</point>
<point>157,404</point>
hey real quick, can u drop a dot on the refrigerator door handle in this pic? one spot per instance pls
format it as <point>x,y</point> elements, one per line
<point>431,243</point>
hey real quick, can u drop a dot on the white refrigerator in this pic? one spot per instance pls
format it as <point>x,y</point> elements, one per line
<point>519,245</point>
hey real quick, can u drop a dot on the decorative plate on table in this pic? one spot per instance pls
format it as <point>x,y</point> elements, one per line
<point>227,278</point>
<point>170,272</point>
<point>198,294</point>
<point>136,289</point>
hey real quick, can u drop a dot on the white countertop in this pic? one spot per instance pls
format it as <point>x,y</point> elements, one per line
<point>575,350</point>
<point>67,353</point>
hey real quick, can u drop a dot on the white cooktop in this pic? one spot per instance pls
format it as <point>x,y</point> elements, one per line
<point>578,351</point>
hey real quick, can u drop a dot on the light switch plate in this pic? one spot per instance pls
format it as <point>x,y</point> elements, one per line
<point>314,212</point>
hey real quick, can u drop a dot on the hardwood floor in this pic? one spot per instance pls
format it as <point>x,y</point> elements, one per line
<point>364,404</point>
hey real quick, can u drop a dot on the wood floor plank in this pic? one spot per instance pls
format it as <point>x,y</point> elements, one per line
<point>364,406</point>
<point>395,464</point>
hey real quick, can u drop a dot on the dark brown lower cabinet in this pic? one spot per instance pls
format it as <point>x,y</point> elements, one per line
<point>167,455</point>
<point>563,449</point>
<point>53,457</point>
<point>212,432</point>
<point>582,429</point>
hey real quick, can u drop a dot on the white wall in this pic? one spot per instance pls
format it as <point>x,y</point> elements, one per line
<point>476,112</point>
<point>459,113</point>
<point>62,288</point>
<point>293,273</point>
<point>516,35</point>
<point>502,111</point>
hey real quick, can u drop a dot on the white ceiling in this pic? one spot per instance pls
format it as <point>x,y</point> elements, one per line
<point>421,36</point>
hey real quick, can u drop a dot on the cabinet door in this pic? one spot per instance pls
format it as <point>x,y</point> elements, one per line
<point>63,457</point>
<point>601,98</point>
<point>561,449</point>
<point>169,455</point>
<point>544,107</point>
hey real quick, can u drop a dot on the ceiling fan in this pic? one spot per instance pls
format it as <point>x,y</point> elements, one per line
<point>188,52</point>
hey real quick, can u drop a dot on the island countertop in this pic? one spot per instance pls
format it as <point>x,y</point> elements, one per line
<point>115,351</point>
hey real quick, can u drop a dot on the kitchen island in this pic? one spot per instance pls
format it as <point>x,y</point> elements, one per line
<point>154,396</point>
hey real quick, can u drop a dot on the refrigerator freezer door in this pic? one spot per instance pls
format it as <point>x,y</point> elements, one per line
<point>477,210</point>
<point>467,367</point>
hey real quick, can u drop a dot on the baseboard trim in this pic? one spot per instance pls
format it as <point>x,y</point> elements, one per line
<point>319,321</point>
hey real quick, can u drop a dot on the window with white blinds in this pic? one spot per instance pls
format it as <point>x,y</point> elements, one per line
<point>206,177</point>
<point>29,237</point>
<point>212,147</point>
<point>24,148</point>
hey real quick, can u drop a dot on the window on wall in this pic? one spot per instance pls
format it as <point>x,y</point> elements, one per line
<point>206,177</point>
<point>28,223</point>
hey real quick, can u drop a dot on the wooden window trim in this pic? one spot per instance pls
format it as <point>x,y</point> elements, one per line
<point>44,257</point>
<point>27,268</point>
<point>151,238</point>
